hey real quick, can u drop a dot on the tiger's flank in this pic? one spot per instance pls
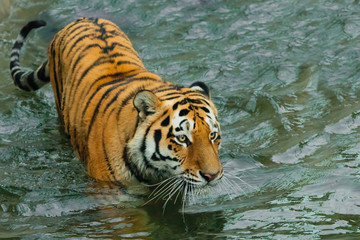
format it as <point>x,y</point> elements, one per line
<point>125,123</point>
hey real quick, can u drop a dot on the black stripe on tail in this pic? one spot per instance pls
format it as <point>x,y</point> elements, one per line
<point>27,80</point>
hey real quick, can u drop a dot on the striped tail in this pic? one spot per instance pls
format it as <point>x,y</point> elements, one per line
<point>27,80</point>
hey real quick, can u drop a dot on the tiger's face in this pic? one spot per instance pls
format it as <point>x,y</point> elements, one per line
<point>179,137</point>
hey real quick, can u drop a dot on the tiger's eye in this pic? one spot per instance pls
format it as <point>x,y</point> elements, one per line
<point>181,138</point>
<point>213,135</point>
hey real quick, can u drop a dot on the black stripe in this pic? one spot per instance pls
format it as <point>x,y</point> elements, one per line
<point>128,62</point>
<point>58,66</point>
<point>170,98</point>
<point>166,121</point>
<point>96,111</point>
<point>56,82</point>
<point>172,87</point>
<point>17,78</point>
<point>184,101</point>
<point>25,88</point>
<point>172,93</point>
<point>116,44</point>
<point>41,73</point>
<point>82,55</point>
<point>31,81</point>
<point>183,112</point>
<point>133,169</point>
<point>176,143</point>
<point>111,170</point>
<point>127,99</point>
<point>12,65</point>
<point>157,138</point>
<point>205,109</point>
<point>170,134</point>
<point>157,155</point>
<point>196,94</point>
<point>198,115</point>
<point>72,47</point>
<point>14,72</point>
<point>143,145</point>
<point>191,91</point>
<point>99,61</point>
<point>175,106</point>
<point>81,25</point>
<point>78,21</point>
<point>184,120</point>
<point>199,101</point>
<point>15,54</point>
<point>17,45</point>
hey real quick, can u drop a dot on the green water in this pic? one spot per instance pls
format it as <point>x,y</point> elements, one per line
<point>285,78</point>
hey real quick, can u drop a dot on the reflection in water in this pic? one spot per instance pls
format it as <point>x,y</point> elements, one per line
<point>285,78</point>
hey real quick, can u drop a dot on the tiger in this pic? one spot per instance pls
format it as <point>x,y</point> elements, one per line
<point>126,124</point>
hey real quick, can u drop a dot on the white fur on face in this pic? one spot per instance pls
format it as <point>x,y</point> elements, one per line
<point>167,165</point>
<point>183,126</point>
<point>211,121</point>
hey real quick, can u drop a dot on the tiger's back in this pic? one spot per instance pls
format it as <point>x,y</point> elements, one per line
<point>125,123</point>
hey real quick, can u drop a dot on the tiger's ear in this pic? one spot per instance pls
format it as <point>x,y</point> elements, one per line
<point>201,87</point>
<point>145,103</point>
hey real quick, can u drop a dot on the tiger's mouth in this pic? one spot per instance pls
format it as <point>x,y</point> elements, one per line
<point>181,188</point>
<point>198,186</point>
<point>203,188</point>
<point>184,184</point>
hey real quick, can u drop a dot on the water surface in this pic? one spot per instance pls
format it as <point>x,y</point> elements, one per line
<point>285,78</point>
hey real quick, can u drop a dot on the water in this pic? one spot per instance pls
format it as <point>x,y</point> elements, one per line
<point>285,78</point>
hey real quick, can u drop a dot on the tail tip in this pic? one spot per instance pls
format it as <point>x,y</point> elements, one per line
<point>31,25</point>
<point>37,23</point>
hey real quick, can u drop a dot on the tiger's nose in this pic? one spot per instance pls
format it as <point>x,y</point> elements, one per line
<point>209,177</point>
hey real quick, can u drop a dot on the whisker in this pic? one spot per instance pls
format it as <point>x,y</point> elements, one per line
<point>215,189</point>
<point>194,193</point>
<point>247,171</point>
<point>228,186</point>
<point>238,186</point>
<point>247,184</point>
<point>170,188</point>
<point>234,185</point>
<point>160,191</point>
<point>184,197</point>
<point>167,190</point>
<point>161,183</point>
<point>163,188</point>
<point>181,187</point>
<point>191,194</point>
<point>173,191</point>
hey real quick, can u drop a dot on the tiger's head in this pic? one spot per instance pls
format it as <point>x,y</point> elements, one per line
<point>178,135</point>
